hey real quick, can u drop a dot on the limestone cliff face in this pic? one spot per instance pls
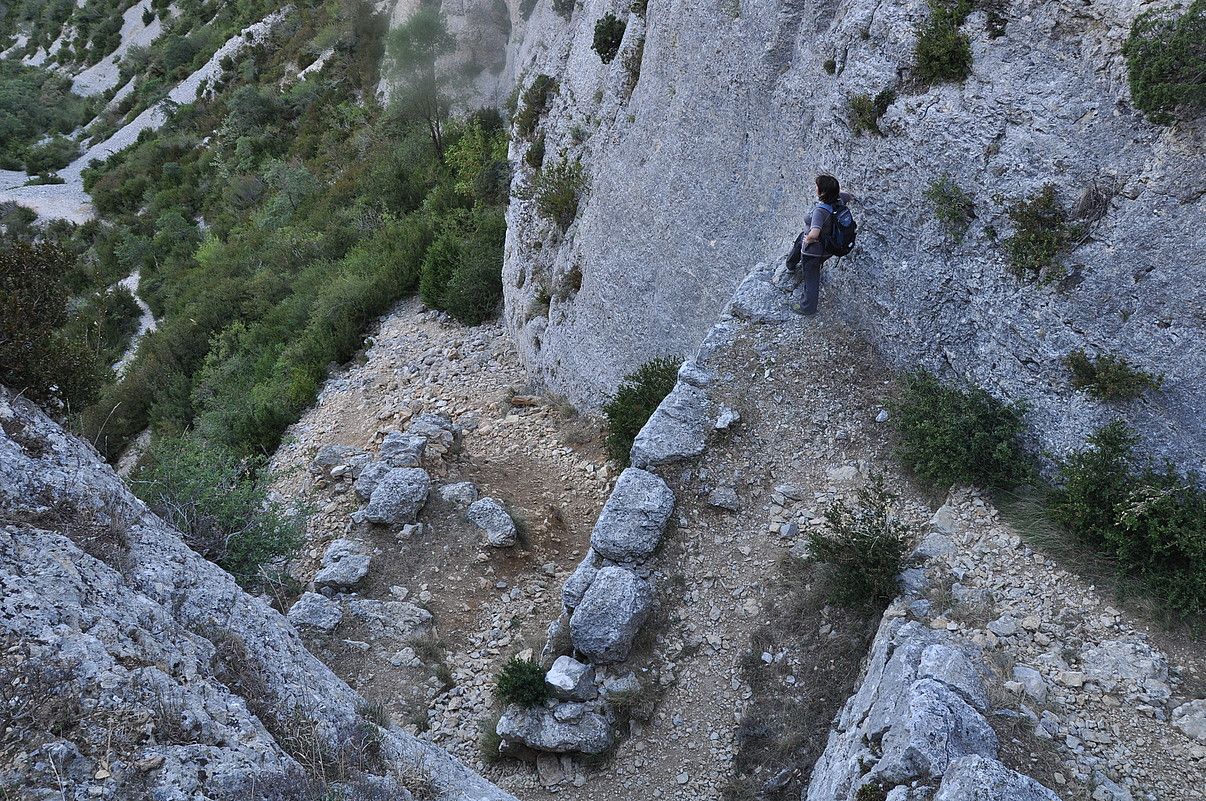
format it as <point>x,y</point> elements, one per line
<point>132,667</point>
<point>705,167</point>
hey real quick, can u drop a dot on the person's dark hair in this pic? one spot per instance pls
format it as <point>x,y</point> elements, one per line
<point>828,188</point>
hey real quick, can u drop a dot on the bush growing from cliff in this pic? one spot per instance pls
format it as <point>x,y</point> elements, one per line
<point>950,436</point>
<point>564,8</point>
<point>218,502</point>
<point>521,682</point>
<point>953,207</point>
<point>1109,377</point>
<point>1152,522</point>
<point>1166,63</point>
<point>1041,234</point>
<point>943,52</point>
<point>634,403</point>
<point>864,544</point>
<point>609,34</point>
<point>535,102</point>
<point>37,356</point>
<point>557,190</point>
<point>865,111</point>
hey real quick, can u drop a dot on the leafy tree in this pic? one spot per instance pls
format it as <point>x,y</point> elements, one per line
<point>415,48</point>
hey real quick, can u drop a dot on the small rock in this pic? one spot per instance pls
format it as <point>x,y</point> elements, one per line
<point>344,564</point>
<point>724,498</point>
<point>462,493</point>
<point>315,611</point>
<point>490,516</point>
<point>571,680</point>
<point>882,416</point>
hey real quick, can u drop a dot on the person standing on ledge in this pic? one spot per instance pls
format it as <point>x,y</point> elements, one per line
<point>830,232</point>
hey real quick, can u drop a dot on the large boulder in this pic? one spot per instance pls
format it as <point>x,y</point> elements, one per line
<point>979,778</point>
<point>315,611</point>
<point>490,516</point>
<point>569,727</point>
<point>580,580</point>
<point>402,450</point>
<point>571,680</point>
<point>677,429</point>
<point>611,612</point>
<point>630,526</point>
<point>344,564</point>
<point>398,497</point>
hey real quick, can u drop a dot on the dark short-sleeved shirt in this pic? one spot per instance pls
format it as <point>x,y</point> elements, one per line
<point>817,220</point>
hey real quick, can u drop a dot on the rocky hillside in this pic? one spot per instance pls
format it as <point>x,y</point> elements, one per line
<point>134,668</point>
<point>699,142</point>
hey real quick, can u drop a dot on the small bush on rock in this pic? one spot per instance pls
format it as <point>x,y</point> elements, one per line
<point>953,207</point>
<point>865,111</point>
<point>534,103</point>
<point>1152,522</point>
<point>1108,377</point>
<point>943,52</point>
<point>948,436</point>
<point>634,403</point>
<point>864,544</point>
<point>609,33</point>
<point>564,8</point>
<point>521,682</point>
<point>557,190</point>
<point>1166,63</point>
<point>1041,233</point>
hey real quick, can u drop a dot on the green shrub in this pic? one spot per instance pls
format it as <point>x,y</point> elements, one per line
<point>953,207</point>
<point>106,321</point>
<point>830,65</point>
<point>634,403</point>
<point>639,7</point>
<point>534,156</point>
<point>443,259</point>
<point>1109,377</point>
<point>865,111</point>
<point>521,682</point>
<point>943,52</point>
<point>1166,63</point>
<point>948,436</point>
<point>475,288</point>
<point>557,190</point>
<point>219,503</point>
<point>865,546</point>
<point>534,103</point>
<point>609,33</point>
<point>1041,233</point>
<point>37,357</point>
<point>1152,522</point>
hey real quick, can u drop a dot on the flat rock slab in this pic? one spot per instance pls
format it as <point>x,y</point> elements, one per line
<point>677,429</point>
<point>344,564</point>
<point>489,515</point>
<point>398,496</point>
<point>543,729</point>
<point>631,524</point>
<point>611,612</point>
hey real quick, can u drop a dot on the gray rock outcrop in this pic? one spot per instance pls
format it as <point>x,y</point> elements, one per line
<point>491,517</point>
<point>402,450</point>
<point>677,429</point>
<point>611,612</point>
<point>714,150</point>
<point>344,563</point>
<point>630,526</point>
<point>103,608</point>
<point>398,496</point>
<point>315,611</point>
<point>568,727</point>
<point>978,778</point>
<point>369,478</point>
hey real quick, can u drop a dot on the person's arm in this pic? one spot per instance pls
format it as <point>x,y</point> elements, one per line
<point>812,236</point>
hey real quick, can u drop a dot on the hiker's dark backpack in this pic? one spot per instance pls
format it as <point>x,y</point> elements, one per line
<point>837,237</point>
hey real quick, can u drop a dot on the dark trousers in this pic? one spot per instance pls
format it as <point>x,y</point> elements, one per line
<point>810,267</point>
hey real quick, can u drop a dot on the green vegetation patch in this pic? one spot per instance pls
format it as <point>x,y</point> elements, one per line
<point>864,111</point>
<point>950,436</point>
<point>535,101</point>
<point>521,682</point>
<point>864,545</point>
<point>1151,521</point>
<point>1166,63</point>
<point>943,52</point>
<point>37,103</point>
<point>609,34</point>
<point>557,190</point>
<point>634,403</point>
<point>953,207</point>
<point>1042,233</point>
<point>1109,377</point>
